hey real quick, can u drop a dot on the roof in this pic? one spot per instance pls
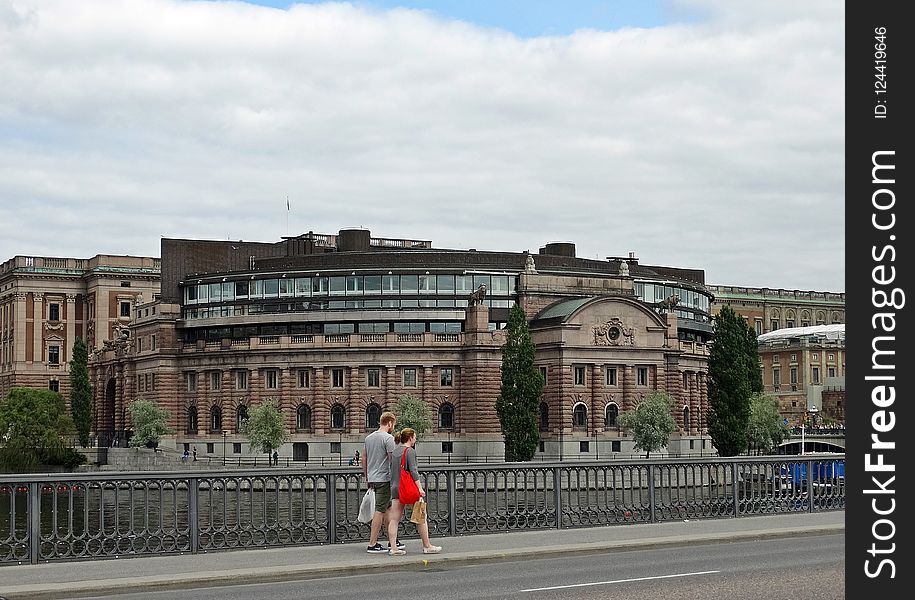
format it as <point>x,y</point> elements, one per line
<point>835,331</point>
<point>563,309</point>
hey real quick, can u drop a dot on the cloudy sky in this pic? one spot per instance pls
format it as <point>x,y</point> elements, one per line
<point>696,133</point>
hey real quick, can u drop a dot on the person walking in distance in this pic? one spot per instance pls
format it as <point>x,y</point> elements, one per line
<point>405,454</point>
<point>376,470</point>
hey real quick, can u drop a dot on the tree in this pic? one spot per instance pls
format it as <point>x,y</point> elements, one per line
<point>80,391</point>
<point>32,425</point>
<point>734,376</point>
<point>265,427</point>
<point>413,413</point>
<point>149,423</point>
<point>651,422</point>
<point>766,428</point>
<point>519,396</point>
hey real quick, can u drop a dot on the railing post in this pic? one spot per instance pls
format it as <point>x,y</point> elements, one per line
<point>557,495</point>
<point>652,505</point>
<point>331,508</point>
<point>810,486</point>
<point>452,503</point>
<point>193,525</point>
<point>34,519</point>
<point>734,475</point>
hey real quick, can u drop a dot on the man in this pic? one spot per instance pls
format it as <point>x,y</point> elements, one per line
<point>376,469</point>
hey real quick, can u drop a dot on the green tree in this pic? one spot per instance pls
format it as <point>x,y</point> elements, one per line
<point>413,413</point>
<point>651,422</point>
<point>80,391</point>
<point>265,427</point>
<point>766,428</point>
<point>32,425</point>
<point>149,423</point>
<point>735,376</point>
<point>519,396</point>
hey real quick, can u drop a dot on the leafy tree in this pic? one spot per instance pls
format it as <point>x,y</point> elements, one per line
<point>413,413</point>
<point>80,391</point>
<point>766,428</point>
<point>32,425</point>
<point>651,422</point>
<point>265,427</point>
<point>149,422</point>
<point>519,397</point>
<point>734,376</point>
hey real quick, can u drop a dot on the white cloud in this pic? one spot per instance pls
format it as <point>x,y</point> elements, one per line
<point>714,144</point>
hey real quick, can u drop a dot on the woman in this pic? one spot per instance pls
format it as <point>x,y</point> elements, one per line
<point>405,440</point>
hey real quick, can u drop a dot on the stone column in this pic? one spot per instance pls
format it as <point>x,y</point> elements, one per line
<point>37,327</point>
<point>71,328</point>
<point>18,348</point>
<point>356,421</point>
<point>628,387</point>
<point>390,380</point>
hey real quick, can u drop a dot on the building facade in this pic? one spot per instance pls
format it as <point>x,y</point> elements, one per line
<point>46,303</point>
<point>336,328</point>
<point>767,309</point>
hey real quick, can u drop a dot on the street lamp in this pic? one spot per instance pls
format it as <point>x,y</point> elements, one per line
<point>340,446</point>
<point>450,447</point>
<point>224,434</point>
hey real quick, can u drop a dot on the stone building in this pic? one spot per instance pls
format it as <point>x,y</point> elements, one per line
<point>768,309</point>
<point>337,328</point>
<point>46,303</point>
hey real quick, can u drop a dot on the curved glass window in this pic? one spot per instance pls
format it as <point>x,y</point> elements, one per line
<point>390,284</point>
<point>354,285</point>
<point>444,284</point>
<point>580,416</point>
<point>372,284</point>
<point>319,286</point>
<point>303,286</point>
<point>337,286</point>
<point>409,284</point>
<point>271,288</point>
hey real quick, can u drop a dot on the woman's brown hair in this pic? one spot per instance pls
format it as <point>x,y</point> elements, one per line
<point>404,435</point>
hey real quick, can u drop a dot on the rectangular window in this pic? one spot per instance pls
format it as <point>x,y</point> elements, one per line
<point>447,447</point>
<point>831,372</point>
<point>794,358</point>
<point>236,447</point>
<point>241,380</point>
<point>209,447</point>
<point>54,312</point>
<point>446,377</point>
<point>373,378</point>
<point>54,355</point>
<point>642,375</point>
<point>816,375</point>
<point>584,446</point>
<point>152,382</point>
<point>815,356</point>
<point>139,344</point>
<point>542,446</point>
<point>830,357</point>
<point>759,327</point>
<point>215,380</point>
<point>191,381</point>
<point>776,377</point>
<point>409,377</point>
<point>611,375</point>
<point>789,324</point>
<point>775,359</point>
<point>774,324</point>
<point>337,378</point>
<point>54,385</point>
<point>271,381</point>
<point>793,375</point>
<point>335,448</point>
<point>153,342</point>
<point>543,374</point>
<point>579,375</point>
<point>146,382</point>
<point>615,446</point>
<point>304,378</point>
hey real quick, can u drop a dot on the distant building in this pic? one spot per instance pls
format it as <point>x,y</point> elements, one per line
<point>804,368</point>
<point>768,309</point>
<point>46,303</point>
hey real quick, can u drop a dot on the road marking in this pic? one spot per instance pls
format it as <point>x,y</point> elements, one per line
<point>575,585</point>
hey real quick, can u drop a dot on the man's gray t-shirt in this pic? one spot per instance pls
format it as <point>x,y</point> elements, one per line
<point>378,445</point>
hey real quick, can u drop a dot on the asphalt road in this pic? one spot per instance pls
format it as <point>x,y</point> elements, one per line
<point>812,568</point>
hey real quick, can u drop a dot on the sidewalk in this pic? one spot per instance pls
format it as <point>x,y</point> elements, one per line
<point>115,576</point>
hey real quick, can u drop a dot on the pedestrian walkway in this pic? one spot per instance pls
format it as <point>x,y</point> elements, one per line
<point>116,576</point>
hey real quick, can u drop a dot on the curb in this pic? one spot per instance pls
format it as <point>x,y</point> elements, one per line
<point>178,581</point>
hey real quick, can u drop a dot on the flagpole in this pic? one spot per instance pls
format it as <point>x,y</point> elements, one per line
<point>287,215</point>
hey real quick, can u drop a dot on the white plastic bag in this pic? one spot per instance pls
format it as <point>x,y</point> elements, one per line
<point>367,508</point>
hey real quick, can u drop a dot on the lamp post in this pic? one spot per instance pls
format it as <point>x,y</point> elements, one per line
<point>450,447</point>
<point>224,434</point>
<point>340,446</point>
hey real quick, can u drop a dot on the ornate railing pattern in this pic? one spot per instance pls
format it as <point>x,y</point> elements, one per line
<point>54,517</point>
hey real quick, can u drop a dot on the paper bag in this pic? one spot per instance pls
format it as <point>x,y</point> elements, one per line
<point>419,512</point>
<point>367,508</point>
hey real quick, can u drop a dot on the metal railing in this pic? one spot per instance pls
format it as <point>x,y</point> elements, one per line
<point>59,517</point>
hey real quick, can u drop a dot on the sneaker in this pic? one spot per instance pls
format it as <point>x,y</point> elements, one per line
<point>400,545</point>
<point>397,552</point>
<point>376,549</point>
<point>432,550</point>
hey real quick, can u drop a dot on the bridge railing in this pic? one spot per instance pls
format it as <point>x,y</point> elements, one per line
<point>59,517</point>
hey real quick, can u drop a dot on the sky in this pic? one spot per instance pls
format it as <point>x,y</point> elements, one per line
<point>703,134</point>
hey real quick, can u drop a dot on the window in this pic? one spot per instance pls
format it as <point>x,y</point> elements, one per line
<point>815,356</point>
<point>615,446</point>
<point>215,380</point>
<point>610,415</point>
<point>580,416</point>
<point>139,344</point>
<point>774,324</point>
<point>303,417</point>
<point>543,374</point>
<point>816,375</point>
<point>210,447</point>
<point>759,328</point>
<point>54,312</point>
<point>337,416</point>
<point>372,416</point>
<point>830,357</point>
<point>793,375</point>
<point>541,447</point>
<point>775,359</point>
<point>191,381</point>
<point>373,378</point>
<point>685,381</point>
<point>125,309</point>
<point>611,375</point>
<point>241,380</point>
<point>544,417</point>
<point>446,377</point>
<point>776,378</point>
<point>579,375</point>
<point>789,323</point>
<point>337,378</point>
<point>794,358</point>
<point>831,372</point>
<point>236,447</point>
<point>447,447</point>
<point>241,415</point>
<point>215,419</point>
<point>642,376</point>
<point>584,446</point>
<point>335,448</point>
<point>153,342</point>
<point>54,355</point>
<point>54,385</point>
<point>304,378</point>
<point>446,416</point>
<point>271,381</point>
<point>152,382</point>
<point>409,377</point>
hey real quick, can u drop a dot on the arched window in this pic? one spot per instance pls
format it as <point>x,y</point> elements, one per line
<point>446,416</point>
<point>372,416</point>
<point>544,417</point>
<point>303,417</point>
<point>580,415</point>
<point>610,415</point>
<point>337,416</point>
<point>215,419</point>
<point>241,415</point>
<point>192,419</point>
<point>686,415</point>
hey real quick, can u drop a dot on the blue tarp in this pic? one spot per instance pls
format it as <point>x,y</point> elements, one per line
<point>822,471</point>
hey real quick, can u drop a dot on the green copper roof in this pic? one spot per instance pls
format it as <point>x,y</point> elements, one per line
<point>563,309</point>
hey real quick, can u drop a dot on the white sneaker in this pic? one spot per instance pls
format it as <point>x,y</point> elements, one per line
<point>432,550</point>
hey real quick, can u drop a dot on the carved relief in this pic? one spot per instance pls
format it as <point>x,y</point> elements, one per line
<point>59,326</point>
<point>612,333</point>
